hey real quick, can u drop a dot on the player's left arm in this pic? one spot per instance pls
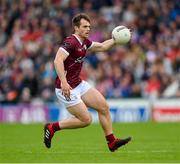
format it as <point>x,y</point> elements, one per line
<point>104,46</point>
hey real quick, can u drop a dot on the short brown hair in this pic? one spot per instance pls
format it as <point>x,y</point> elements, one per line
<point>77,18</point>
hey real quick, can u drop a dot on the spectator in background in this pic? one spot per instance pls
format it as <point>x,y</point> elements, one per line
<point>32,30</point>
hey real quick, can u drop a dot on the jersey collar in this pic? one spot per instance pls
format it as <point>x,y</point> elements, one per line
<point>77,38</point>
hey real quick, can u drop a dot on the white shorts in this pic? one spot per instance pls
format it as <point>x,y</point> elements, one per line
<point>75,95</point>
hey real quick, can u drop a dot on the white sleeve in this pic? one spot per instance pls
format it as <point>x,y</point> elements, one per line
<point>67,53</point>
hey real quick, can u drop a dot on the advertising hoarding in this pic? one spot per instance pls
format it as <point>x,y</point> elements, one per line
<point>166,110</point>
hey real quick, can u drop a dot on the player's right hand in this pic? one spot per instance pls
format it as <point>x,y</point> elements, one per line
<point>65,87</point>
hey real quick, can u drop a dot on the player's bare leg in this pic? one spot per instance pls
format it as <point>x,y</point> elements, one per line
<point>94,99</point>
<point>82,118</point>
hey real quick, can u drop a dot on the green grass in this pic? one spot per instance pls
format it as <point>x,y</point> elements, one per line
<point>152,142</point>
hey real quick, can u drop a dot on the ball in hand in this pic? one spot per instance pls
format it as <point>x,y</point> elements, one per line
<point>121,35</point>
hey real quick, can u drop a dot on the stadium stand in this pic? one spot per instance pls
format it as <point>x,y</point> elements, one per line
<point>32,30</point>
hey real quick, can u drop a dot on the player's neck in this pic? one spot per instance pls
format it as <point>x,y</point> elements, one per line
<point>81,39</point>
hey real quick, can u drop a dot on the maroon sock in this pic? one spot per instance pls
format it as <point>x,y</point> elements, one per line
<point>55,126</point>
<point>110,138</point>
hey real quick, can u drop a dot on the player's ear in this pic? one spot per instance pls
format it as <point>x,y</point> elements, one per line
<point>76,28</point>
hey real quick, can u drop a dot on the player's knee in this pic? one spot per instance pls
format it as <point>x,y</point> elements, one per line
<point>87,120</point>
<point>104,108</point>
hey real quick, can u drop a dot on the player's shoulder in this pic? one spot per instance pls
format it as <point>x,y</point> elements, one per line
<point>70,39</point>
<point>87,42</point>
<point>69,42</point>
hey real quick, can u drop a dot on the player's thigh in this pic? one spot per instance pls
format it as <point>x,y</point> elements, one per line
<point>80,111</point>
<point>94,99</point>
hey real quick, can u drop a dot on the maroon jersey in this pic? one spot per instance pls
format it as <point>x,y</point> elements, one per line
<point>76,51</point>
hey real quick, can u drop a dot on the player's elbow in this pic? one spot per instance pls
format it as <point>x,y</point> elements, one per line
<point>104,48</point>
<point>101,48</point>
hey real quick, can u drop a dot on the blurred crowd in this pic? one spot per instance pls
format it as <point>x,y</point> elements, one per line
<point>31,32</point>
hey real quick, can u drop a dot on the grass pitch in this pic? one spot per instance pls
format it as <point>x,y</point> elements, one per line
<point>152,142</point>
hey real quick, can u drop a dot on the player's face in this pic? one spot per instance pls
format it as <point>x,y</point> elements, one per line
<point>84,29</point>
